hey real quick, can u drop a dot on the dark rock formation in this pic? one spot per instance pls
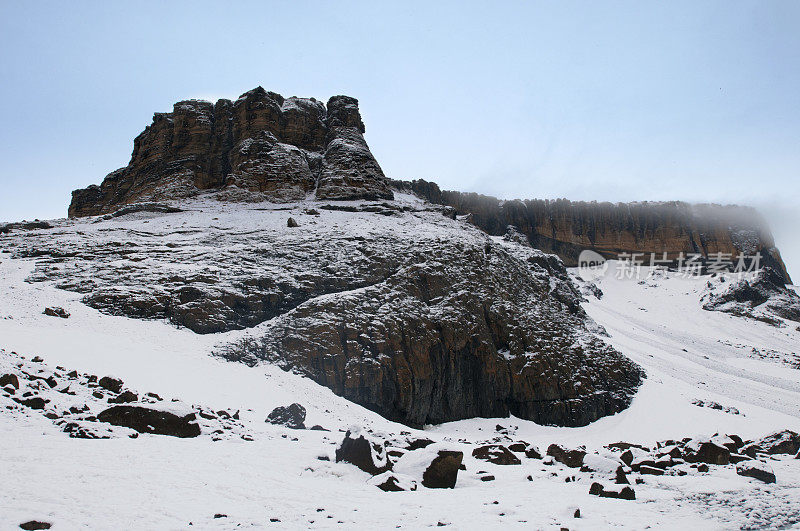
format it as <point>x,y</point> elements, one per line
<point>566,228</point>
<point>35,525</point>
<point>763,298</point>
<point>390,482</point>
<point>782,442</point>
<point>757,470</point>
<point>146,420</point>
<point>497,454</point>
<point>262,146</point>
<point>442,473</point>
<point>56,311</point>
<point>625,493</point>
<point>110,384</point>
<point>292,416</point>
<point>359,449</point>
<point>571,458</point>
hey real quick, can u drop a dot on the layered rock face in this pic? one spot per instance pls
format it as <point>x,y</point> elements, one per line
<point>262,146</point>
<point>395,306</point>
<point>566,228</point>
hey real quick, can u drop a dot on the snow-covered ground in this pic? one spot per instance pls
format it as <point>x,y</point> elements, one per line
<point>278,480</point>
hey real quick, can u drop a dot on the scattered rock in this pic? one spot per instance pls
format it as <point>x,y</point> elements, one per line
<point>146,420</point>
<point>56,311</point>
<point>625,493</point>
<point>110,383</point>
<point>9,379</point>
<point>781,442</point>
<point>292,416</point>
<point>442,473</point>
<point>757,470</point>
<point>391,482</point>
<point>124,398</point>
<point>418,444</point>
<point>497,454</point>
<point>700,451</point>
<point>359,449</point>
<point>571,458</point>
<point>291,222</point>
<point>35,402</point>
<point>35,525</point>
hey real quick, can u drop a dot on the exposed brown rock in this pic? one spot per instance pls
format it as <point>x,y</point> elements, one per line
<point>262,146</point>
<point>567,227</point>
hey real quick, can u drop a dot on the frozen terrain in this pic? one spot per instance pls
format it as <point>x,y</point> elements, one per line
<point>693,359</point>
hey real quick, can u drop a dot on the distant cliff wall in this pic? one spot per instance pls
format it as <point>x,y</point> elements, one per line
<point>565,228</point>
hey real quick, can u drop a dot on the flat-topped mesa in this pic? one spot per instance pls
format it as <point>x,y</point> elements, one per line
<point>566,228</point>
<point>260,147</point>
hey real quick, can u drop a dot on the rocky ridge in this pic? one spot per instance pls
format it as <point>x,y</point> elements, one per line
<point>566,228</point>
<point>393,305</point>
<point>262,146</point>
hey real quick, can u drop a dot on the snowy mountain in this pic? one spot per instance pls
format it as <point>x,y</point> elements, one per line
<point>250,326</point>
<point>716,384</point>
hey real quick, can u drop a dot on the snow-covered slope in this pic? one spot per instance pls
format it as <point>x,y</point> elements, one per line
<point>691,356</point>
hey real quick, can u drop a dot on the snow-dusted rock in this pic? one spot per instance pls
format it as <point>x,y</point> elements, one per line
<point>360,449</point>
<point>757,470</point>
<point>292,416</point>
<point>393,482</point>
<point>435,466</point>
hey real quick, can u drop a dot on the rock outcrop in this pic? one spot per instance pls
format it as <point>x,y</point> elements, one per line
<point>764,297</point>
<point>260,147</point>
<point>392,305</point>
<point>566,228</point>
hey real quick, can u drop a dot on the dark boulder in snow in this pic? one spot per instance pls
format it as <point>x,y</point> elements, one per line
<point>110,383</point>
<point>35,402</point>
<point>292,416</point>
<point>435,466</point>
<point>360,449</point>
<point>781,442</point>
<point>571,458</point>
<point>706,451</point>
<point>497,454</point>
<point>757,470</point>
<point>391,482</point>
<point>56,311</point>
<point>146,420</point>
<point>442,473</point>
<point>624,493</point>
<point>292,223</point>
<point>35,525</point>
<point>9,379</point>
<point>124,397</point>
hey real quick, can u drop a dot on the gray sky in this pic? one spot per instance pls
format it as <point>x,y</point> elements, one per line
<point>614,101</point>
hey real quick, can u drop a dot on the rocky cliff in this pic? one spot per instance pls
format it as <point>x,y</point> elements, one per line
<point>392,305</point>
<point>565,228</point>
<point>262,146</point>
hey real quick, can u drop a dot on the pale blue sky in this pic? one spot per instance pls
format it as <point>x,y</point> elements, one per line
<point>615,101</point>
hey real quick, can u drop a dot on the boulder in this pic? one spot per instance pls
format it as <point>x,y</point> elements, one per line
<point>292,416</point>
<point>110,383</point>
<point>705,451</point>
<point>391,482</point>
<point>147,420</point>
<point>435,466</point>
<point>532,452</point>
<point>9,379</point>
<point>624,493</point>
<point>781,442</point>
<point>124,398</point>
<point>56,311</point>
<point>292,223</point>
<point>35,402</point>
<point>757,470</point>
<point>417,444</point>
<point>442,473</point>
<point>360,449</point>
<point>571,458</point>
<point>497,454</point>
<point>35,525</point>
